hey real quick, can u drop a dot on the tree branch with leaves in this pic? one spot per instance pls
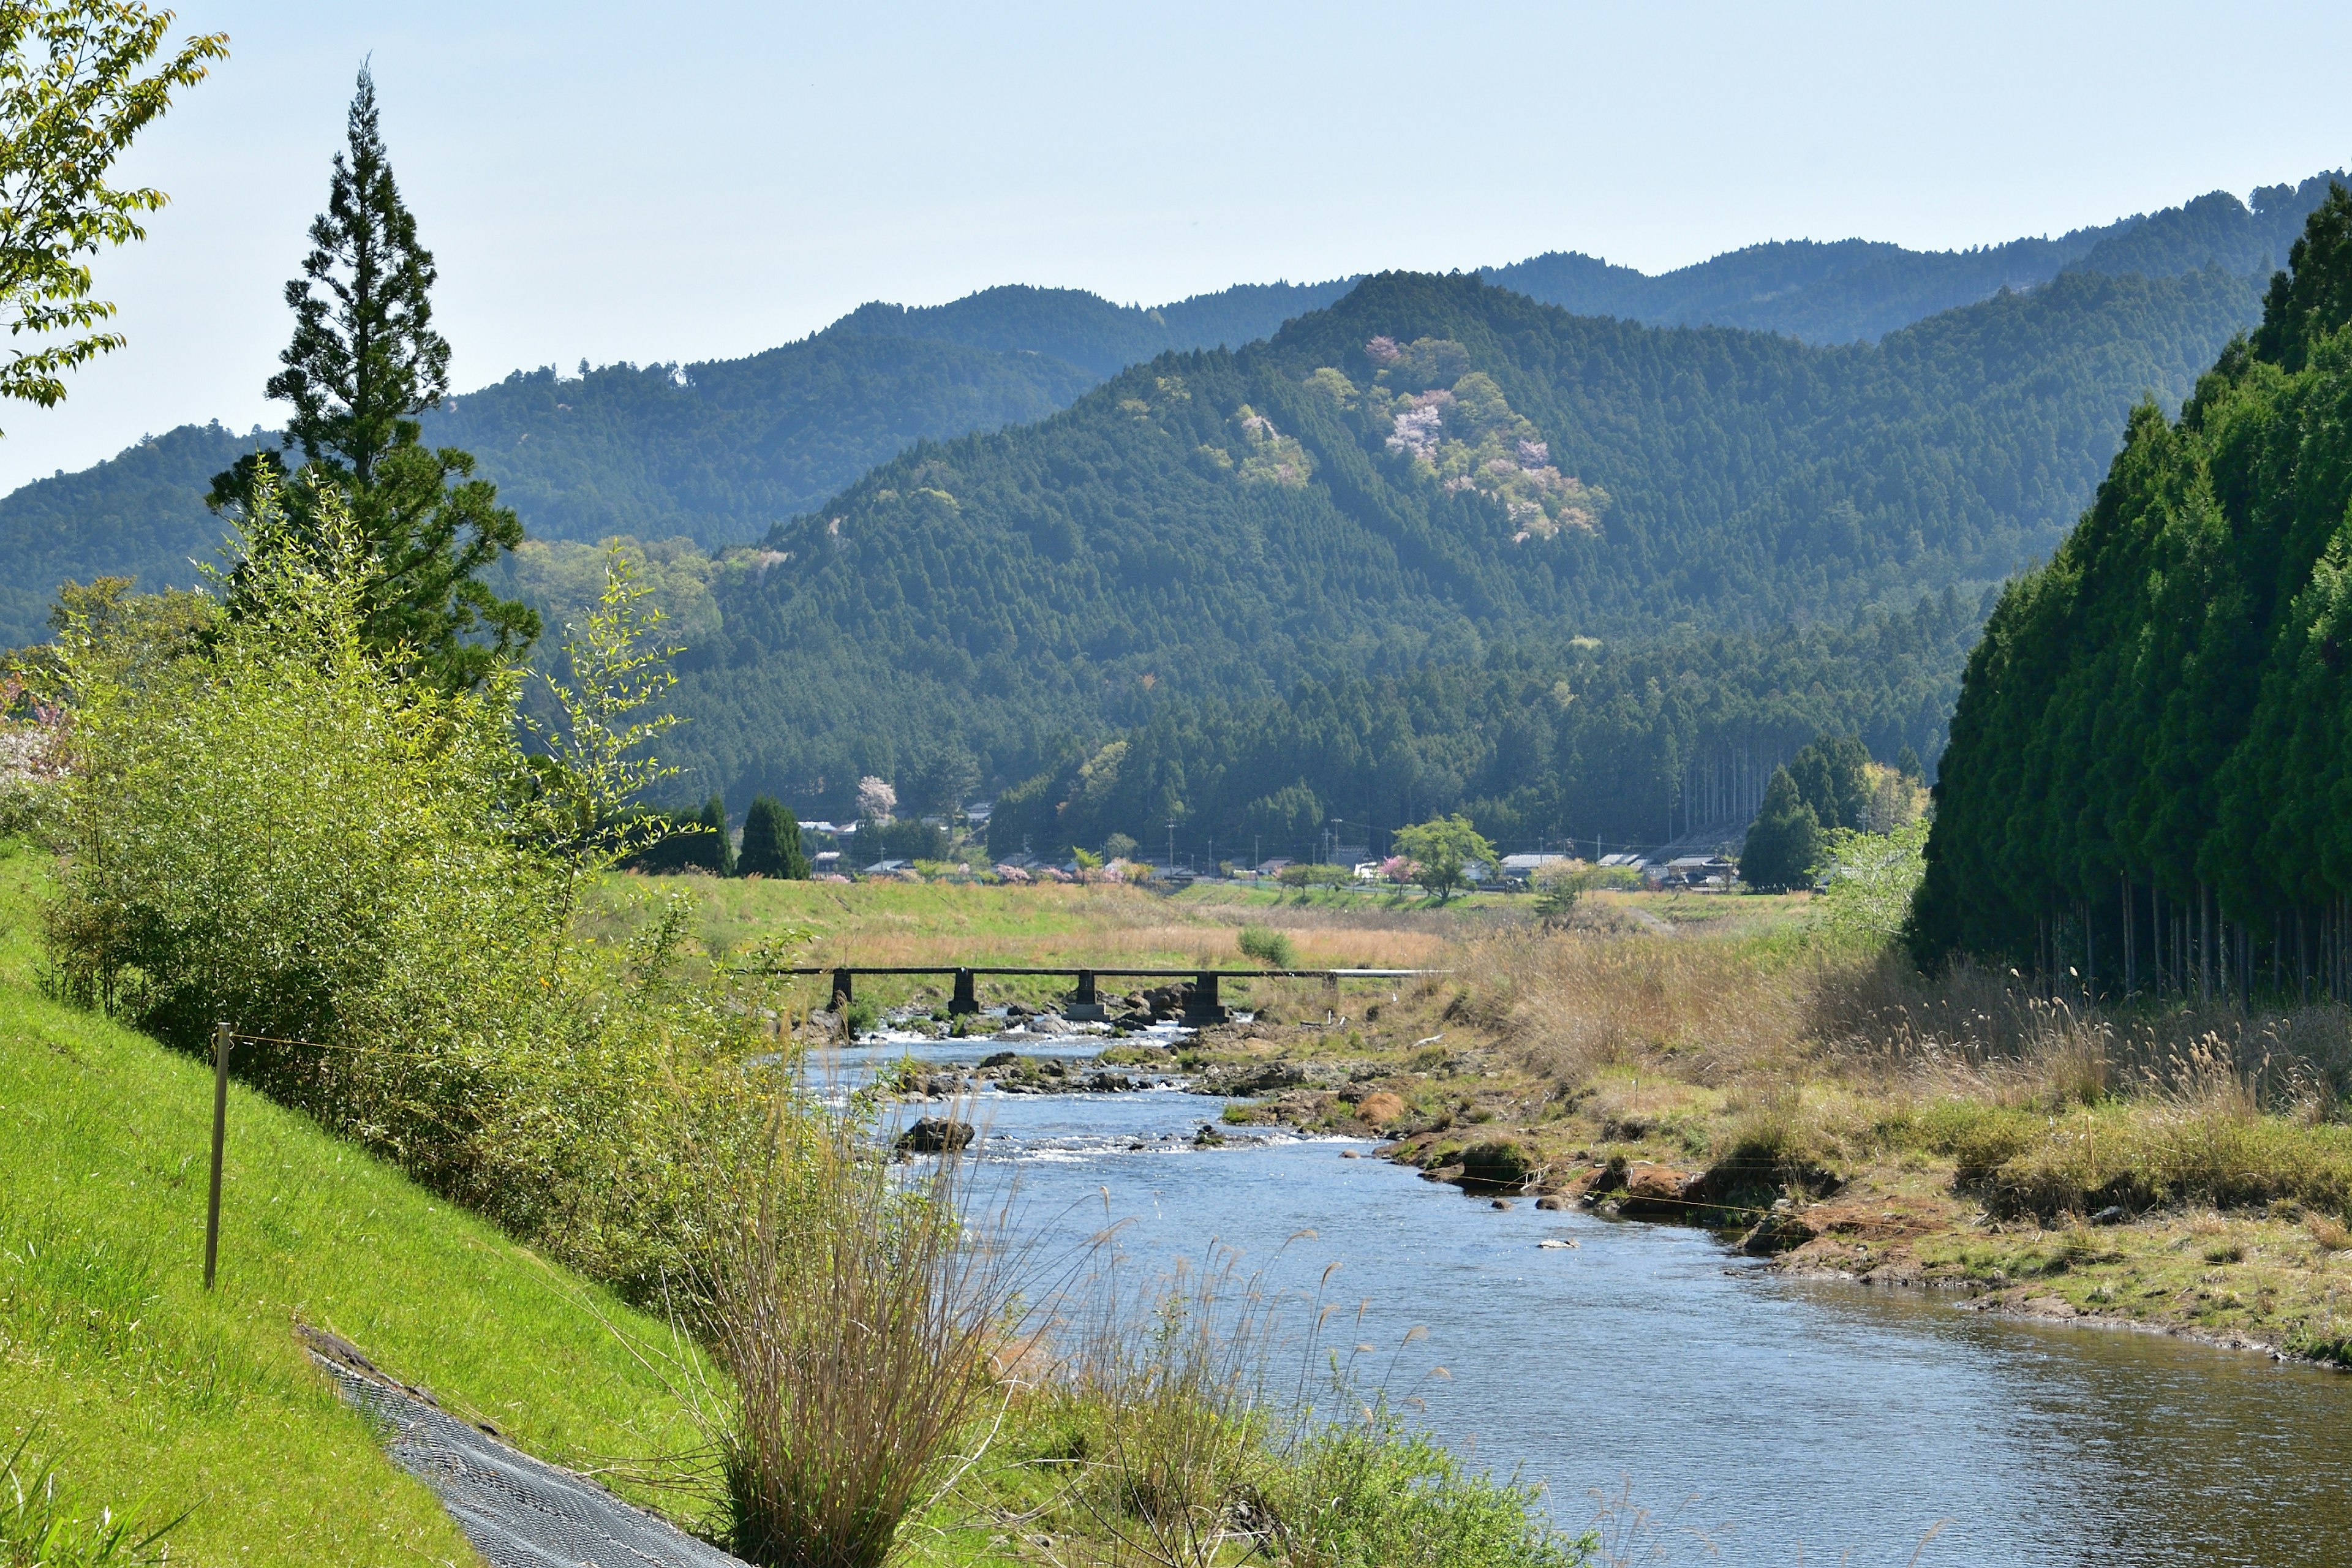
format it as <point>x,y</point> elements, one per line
<point>72,100</point>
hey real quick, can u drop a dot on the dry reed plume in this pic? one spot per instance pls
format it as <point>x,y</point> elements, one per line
<point>856,1315</point>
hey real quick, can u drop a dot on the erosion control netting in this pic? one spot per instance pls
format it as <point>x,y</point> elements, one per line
<point>516,1512</point>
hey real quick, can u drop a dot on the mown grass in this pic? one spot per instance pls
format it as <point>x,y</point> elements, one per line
<point>150,1396</point>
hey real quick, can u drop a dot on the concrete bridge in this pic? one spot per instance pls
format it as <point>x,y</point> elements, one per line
<point>1201,1007</point>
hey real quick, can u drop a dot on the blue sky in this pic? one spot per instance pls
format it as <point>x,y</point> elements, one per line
<point>698,181</point>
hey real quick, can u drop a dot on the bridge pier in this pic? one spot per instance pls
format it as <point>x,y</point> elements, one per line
<point>1200,1006</point>
<point>966,1000</point>
<point>1085,1006</point>
<point>841,990</point>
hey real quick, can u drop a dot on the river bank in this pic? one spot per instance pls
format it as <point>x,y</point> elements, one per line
<point>1938,1187</point>
<point>1597,1355</point>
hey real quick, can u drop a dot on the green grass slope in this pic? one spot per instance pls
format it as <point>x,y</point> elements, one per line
<point>152,1397</point>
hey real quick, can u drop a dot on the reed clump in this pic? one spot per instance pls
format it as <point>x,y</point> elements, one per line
<point>861,1318</point>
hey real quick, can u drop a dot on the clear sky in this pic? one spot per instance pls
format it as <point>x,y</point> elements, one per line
<point>685,182</point>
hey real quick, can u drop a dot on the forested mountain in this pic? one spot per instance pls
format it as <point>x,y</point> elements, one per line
<point>1638,742</point>
<point>1088,330</point>
<point>1424,470</point>
<point>719,452</point>
<point>2150,773</point>
<point>1858,291</point>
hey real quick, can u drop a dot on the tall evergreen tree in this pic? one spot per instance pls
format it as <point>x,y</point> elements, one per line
<point>771,842</point>
<point>1783,841</point>
<point>714,817</point>
<point>363,362</point>
<point>1831,776</point>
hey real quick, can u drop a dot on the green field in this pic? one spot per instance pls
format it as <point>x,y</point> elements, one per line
<point>151,1397</point>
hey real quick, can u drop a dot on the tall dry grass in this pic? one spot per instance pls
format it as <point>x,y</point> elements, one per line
<point>1569,1008</point>
<point>1721,1012</point>
<point>1172,1379</point>
<point>860,1317</point>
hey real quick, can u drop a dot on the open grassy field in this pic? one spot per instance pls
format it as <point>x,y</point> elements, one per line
<point>150,1396</point>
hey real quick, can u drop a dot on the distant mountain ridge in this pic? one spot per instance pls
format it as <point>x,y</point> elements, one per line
<point>722,452</point>
<point>1857,290</point>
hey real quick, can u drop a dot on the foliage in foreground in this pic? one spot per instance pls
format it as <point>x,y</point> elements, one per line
<point>857,1316</point>
<point>44,1525</point>
<point>71,101</point>
<point>273,822</point>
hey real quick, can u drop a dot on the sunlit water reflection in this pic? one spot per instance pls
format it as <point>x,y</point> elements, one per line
<point>1787,1420</point>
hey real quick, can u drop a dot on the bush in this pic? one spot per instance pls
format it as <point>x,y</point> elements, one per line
<point>1315,876</point>
<point>1268,946</point>
<point>271,824</point>
<point>1372,1494</point>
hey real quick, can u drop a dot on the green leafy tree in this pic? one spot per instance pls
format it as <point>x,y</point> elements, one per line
<point>1442,851</point>
<point>1783,841</point>
<point>72,98</point>
<point>1562,885</point>
<point>771,842</point>
<point>364,362</point>
<point>1872,880</point>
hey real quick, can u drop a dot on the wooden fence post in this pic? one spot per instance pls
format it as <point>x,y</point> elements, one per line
<point>220,1136</point>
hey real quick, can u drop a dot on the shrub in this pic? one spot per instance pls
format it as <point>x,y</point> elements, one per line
<point>273,824</point>
<point>1372,1494</point>
<point>1268,946</point>
<point>1503,1162</point>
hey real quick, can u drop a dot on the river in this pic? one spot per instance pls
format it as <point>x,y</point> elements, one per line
<point>1776,1420</point>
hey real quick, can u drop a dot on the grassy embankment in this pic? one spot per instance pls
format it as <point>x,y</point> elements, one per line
<point>1723,1061</point>
<point>149,1395</point>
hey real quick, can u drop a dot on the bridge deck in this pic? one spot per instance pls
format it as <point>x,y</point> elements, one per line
<point>1200,1003</point>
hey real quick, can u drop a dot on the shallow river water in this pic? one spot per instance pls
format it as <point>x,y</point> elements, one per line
<point>1788,1421</point>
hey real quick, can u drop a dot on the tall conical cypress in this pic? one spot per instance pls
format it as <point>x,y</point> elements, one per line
<point>2147,781</point>
<point>771,842</point>
<point>1783,841</point>
<point>714,817</point>
<point>363,362</point>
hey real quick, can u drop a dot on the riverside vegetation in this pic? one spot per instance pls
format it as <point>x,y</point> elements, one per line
<point>258,814</point>
<point>1770,1066</point>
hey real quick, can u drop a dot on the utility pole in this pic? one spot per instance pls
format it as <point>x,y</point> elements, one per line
<point>1171,843</point>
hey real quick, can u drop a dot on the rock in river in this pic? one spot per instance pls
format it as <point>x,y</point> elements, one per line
<point>935,1134</point>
